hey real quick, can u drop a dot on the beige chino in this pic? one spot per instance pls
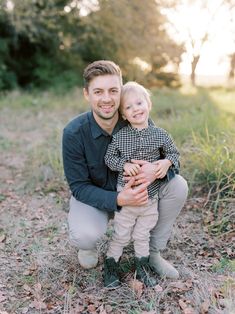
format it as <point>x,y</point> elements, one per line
<point>88,224</point>
<point>133,222</point>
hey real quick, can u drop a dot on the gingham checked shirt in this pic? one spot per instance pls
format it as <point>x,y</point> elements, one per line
<point>150,144</point>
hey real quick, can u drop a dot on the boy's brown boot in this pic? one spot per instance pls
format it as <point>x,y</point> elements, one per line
<point>143,271</point>
<point>111,273</point>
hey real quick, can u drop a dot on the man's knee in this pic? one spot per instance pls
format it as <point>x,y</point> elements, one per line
<point>178,188</point>
<point>85,239</point>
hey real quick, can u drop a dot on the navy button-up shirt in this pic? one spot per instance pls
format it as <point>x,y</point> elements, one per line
<point>84,146</point>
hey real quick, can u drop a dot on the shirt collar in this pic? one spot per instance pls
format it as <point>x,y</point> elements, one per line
<point>143,131</point>
<point>97,131</point>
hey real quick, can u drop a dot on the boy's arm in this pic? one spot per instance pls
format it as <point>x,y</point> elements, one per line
<point>170,151</point>
<point>113,158</point>
<point>160,168</point>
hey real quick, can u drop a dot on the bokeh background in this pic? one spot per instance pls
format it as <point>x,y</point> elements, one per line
<point>157,42</point>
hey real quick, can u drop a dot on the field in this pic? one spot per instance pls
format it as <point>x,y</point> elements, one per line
<point>39,268</point>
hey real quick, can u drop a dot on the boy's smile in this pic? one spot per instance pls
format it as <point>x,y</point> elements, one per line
<point>135,109</point>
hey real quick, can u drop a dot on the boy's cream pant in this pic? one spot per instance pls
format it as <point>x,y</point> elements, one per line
<point>88,224</point>
<point>134,222</point>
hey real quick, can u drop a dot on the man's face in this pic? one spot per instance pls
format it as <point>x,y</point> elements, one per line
<point>103,94</point>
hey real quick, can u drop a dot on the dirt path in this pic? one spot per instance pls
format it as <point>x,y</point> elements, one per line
<point>39,269</point>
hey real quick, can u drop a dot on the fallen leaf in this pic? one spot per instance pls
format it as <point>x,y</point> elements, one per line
<point>189,310</point>
<point>180,285</point>
<point>182,304</point>
<point>91,308</point>
<point>2,237</point>
<point>2,296</point>
<point>38,305</point>
<point>108,308</point>
<point>102,310</point>
<point>205,306</point>
<point>137,286</point>
<point>158,288</point>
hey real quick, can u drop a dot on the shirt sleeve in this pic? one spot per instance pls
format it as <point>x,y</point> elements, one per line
<point>77,175</point>
<point>113,158</point>
<point>170,151</point>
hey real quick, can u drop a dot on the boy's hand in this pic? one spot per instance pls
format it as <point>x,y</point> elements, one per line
<point>131,169</point>
<point>162,167</point>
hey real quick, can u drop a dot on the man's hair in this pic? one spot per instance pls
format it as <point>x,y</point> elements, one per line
<point>98,68</point>
<point>137,88</point>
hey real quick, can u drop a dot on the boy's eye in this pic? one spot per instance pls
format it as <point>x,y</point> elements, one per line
<point>139,103</point>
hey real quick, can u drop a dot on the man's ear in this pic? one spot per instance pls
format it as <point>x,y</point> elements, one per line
<point>85,93</point>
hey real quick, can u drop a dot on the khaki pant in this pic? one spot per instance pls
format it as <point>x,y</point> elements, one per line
<point>88,224</point>
<point>134,222</point>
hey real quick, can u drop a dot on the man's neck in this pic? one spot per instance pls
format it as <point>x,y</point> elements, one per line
<point>107,124</point>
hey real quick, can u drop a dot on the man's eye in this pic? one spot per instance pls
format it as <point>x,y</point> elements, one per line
<point>97,92</point>
<point>114,91</point>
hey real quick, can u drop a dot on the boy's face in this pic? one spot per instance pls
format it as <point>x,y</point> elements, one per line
<point>103,95</point>
<point>135,108</point>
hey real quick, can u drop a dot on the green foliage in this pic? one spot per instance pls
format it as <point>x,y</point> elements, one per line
<point>35,40</point>
<point>46,43</point>
<point>126,32</point>
<point>224,265</point>
<point>214,158</point>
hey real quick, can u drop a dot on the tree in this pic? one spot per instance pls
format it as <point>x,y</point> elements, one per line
<point>37,35</point>
<point>199,23</point>
<point>130,33</point>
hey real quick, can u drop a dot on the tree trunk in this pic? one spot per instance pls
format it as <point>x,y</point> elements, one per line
<point>193,69</point>
<point>232,67</point>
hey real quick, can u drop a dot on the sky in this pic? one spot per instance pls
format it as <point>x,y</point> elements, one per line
<point>194,19</point>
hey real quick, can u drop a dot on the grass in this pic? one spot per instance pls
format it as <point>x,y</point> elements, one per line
<point>202,122</point>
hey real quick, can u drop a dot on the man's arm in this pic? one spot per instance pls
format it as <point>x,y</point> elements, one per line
<point>84,190</point>
<point>77,175</point>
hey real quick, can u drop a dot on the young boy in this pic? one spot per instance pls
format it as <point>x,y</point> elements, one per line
<point>139,140</point>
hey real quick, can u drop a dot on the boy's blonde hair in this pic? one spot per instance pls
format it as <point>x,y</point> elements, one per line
<point>134,87</point>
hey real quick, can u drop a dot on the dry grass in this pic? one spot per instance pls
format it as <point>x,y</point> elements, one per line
<point>39,268</point>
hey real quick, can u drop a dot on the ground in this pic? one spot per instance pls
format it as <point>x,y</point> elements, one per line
<point>39,269</point>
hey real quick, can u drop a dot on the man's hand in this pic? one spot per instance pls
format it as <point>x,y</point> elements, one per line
<point>131,169</point>
<point>133,196</point>
<point>149,172</point>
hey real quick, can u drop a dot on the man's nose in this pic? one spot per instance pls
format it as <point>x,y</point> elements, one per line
<point>106,97</point>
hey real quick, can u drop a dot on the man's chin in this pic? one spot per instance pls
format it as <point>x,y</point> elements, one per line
<point>108,116</point>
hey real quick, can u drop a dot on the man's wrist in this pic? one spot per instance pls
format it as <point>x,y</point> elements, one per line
<point>169,162</point>
<point>119,202</point>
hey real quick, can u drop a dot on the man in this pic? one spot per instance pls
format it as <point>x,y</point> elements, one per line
<point>93,185</point>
